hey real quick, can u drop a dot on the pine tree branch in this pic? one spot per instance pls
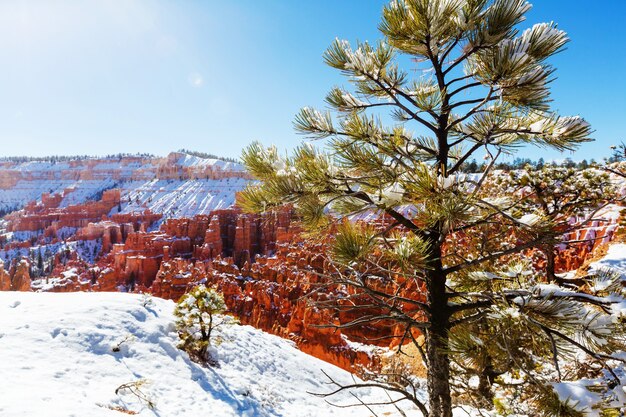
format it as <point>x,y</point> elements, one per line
<point>465,319</point>
<point>390,90</point>
<point>464,77</point>
<point>596,355</point>
<point>462,58</point>
<point>436,63</point>
<point>451,47</point>
<point>493,256</point>
<point>382,298</point>
<point>470,152</point>
<point>487,299</point>
<point>482,101</point>
<point>371,105</point>
<point>492,163</point>
<point>555,354</point>
<point>462,139</point>
<point>473,111</point>
<point>399,390</point>
<point>465,87</point>
<point>393,213</point>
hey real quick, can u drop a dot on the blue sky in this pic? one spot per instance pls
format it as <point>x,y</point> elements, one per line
<point>154,76</point>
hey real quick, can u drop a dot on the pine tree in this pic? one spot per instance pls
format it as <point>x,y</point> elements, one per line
<point>483,88</point>
<point>40,265</point>
<point>540,163</point>
<point>196,314</point>
<point>556,195</point>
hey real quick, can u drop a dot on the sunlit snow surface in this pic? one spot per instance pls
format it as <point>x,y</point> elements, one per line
<point>174,198</point>
<point>57,361</point>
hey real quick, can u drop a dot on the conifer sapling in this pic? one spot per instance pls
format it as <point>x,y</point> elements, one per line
<point>197,315</point>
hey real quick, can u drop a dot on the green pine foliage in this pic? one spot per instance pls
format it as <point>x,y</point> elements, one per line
<point>555,195</point>
<point>477,86</point>
<point>198,314</point>
<point>558,191</point>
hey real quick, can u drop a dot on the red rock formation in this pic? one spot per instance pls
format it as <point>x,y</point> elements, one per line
<point>106,281</point>
<point>5,278</point>
<point>213,245</point>
<point>39,217</point>
<point>132,222</point>
<point>572,256</point>
<point>222,233</point>
<point>20,281</point>
<point>269,298</point>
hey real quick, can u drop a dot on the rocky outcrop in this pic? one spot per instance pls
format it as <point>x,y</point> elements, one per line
<point>213,245</point>
<point>5,278</point>
<point>17,278</point>
<point>20,281</point>
<point>585,241</point>
<point>39,216</point>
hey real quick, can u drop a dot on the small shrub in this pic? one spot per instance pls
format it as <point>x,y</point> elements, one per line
<point>146,300</point>
<point>196,314</point>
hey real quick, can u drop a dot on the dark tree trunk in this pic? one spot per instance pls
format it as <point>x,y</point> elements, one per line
<point>550,264</point>
<point>485,382</point>
<point>438,379</point>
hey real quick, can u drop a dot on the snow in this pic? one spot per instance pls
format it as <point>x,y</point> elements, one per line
<point>179,198</point>
<point>529,219</point>
<point>393,194</point>
<point>576,395</point>
<point>187,160</point>
<point>136,180</point>
<point>58,361</point>
<point>615,259</point>
<point>86,190</point>
<point>25,191</point>
<point>583,399</point>
<point>50,284</point>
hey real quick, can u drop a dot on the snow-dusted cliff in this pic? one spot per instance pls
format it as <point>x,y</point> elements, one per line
<point>179,185</point>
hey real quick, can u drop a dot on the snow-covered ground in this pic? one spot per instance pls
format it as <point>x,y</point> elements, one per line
<point>58,361</point>
<point>614,259</point>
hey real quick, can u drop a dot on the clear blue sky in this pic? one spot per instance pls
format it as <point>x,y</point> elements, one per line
<point>99,77</point>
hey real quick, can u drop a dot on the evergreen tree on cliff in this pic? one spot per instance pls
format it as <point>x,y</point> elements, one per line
<point>480,89</point>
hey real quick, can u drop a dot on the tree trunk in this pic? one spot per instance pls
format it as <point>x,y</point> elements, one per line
<point>485,382</point>
<point>438,379</point>
<point>550,263</point>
